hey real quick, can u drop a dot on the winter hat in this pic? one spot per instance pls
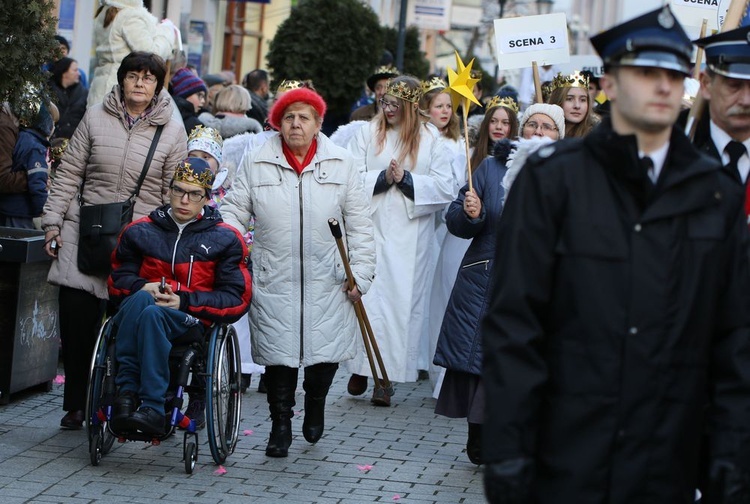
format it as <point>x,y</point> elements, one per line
<point>194,171</point>
<point>554,112</point>
<point>303,95</point>
<point>206,140</point>
<point>213,79</point>
<point>59,67</point>
<point>185,83</point>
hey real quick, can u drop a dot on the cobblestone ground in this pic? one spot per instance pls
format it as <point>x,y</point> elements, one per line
<point>403,454</point>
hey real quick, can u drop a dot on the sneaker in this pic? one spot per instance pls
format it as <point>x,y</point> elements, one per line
<point>146,420</point>
<point>196,411</point>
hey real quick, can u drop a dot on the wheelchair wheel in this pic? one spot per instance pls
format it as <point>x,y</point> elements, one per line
<point>100,378</point>
<point>223,396</point>
<point>191,456</point>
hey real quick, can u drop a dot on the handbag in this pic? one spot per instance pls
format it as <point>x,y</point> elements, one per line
<point>100,225</point>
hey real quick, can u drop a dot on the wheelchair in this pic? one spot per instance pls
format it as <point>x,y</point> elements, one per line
<point>211,356</point>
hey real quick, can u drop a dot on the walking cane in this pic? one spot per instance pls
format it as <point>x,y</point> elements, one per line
<point>383,387</point>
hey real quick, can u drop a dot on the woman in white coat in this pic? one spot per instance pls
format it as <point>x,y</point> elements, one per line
<point>406,165</point>
<point>301,314</point>
<point>122,27</point>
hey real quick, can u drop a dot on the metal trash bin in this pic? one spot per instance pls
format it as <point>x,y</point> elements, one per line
<point>29,329</point>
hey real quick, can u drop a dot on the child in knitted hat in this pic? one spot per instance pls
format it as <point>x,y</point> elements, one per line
<point>206,143</point>
<point>189,94</point>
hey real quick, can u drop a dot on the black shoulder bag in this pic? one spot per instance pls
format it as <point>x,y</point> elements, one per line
<point>100,225</point>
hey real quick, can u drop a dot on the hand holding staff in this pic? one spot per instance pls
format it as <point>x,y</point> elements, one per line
<point>383,387</point>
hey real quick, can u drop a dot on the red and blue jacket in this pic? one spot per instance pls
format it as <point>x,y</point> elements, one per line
<point>205,264</point>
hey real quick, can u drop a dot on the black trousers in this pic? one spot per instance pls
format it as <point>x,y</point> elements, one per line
<point>81,317</point>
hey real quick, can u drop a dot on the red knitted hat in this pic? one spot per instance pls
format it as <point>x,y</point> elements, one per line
<point>303,95</point>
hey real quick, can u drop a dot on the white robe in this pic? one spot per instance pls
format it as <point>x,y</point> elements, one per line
<point>397,303</point>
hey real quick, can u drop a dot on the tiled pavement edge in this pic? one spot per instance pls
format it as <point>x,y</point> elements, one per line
<point>416,456</point>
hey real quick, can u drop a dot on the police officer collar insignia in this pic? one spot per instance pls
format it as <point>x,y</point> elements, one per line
<point>666,19</point>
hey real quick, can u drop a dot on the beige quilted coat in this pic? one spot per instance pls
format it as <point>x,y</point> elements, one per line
<point>112,157</point>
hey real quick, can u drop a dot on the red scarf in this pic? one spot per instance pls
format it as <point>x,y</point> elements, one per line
<point>292,159</point>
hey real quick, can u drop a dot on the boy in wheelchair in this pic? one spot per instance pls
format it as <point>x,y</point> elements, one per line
<point>204,264</point>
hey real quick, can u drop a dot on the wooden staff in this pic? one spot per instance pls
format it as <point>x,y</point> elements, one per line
<point>699,53</point>
<point>465,109</point>
<point>537,82</point>
<point>382,386</point>
<point>735,13</point>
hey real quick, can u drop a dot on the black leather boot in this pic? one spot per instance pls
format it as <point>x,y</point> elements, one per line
<point>318,379</point>
<point>281,383</point>
<point>474,443</point>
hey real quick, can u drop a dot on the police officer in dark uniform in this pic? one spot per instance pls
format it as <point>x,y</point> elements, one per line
<point>725,84</point>
<point>621,303</point>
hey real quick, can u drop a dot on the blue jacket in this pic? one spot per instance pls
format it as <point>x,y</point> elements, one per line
<point>29,155</point>
<point>206,264</point>
<point>459,345</point>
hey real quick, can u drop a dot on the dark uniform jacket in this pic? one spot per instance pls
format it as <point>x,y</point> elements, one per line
<point>618,313</point>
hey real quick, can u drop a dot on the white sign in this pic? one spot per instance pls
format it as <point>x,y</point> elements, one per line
<point>429,14</point>
<point>581,62</point>
<point>522,40</point>
<point>693,12</point>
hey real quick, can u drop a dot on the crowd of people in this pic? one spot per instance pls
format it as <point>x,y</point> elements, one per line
<point>573,282</point>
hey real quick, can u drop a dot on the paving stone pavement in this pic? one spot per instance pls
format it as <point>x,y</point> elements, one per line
<point>417,457</point>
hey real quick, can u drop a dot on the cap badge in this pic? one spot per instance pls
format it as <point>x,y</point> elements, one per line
<point>666,20</point>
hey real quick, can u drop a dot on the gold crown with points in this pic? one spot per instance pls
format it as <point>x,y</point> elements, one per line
<point>402,90</point>
<point>207,133</point>
<point>184,173</point>
<point>434,83</point>
<point>506,102</point>
<point>289,84</point>
<point>576,79</point>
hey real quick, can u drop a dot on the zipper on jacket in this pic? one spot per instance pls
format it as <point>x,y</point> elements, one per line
<point>301,276</point>
<point>174,252</point>
<point>486,263</point>
<point>190,269</point>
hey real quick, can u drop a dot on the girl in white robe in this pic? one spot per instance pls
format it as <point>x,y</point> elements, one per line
<point>406,167</point>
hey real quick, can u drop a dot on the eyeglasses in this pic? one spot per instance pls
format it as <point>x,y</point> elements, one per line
<point>134,77</point>
<point>534,125</point>
<point>385,105</point>
<point>194,196</point>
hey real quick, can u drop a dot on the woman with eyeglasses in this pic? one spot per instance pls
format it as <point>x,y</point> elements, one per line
<point>406,166</point>
<point>543,119</point>
<point>107,150</point>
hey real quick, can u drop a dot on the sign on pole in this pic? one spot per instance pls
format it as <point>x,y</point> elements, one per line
<point>429,14</point>
<point>693,12</point>
<point>523,40</point>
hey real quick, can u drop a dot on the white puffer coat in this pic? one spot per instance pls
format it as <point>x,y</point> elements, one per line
<point>112,157</point>
<point>299,314</point>
<point>133,29</point>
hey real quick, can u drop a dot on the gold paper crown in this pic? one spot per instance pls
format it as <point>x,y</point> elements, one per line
<point>402,90</point>
<point>202,132</point>
<point>434,83</point>
<point>386,70</point>
<point>184,173</point>
<point>576,79</point>
<point>289,84</point>
<point>506,101</point>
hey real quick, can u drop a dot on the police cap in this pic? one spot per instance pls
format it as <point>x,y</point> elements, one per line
<point>654,39</point>
<point>728,53</point>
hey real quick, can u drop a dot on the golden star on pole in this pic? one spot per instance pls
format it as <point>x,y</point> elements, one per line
<point>461,85</point>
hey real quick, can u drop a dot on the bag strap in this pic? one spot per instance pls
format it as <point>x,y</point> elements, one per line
<point>144,171</point>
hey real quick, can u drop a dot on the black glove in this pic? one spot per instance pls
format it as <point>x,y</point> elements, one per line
<point>509,482</point>
<point>729,484</point>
